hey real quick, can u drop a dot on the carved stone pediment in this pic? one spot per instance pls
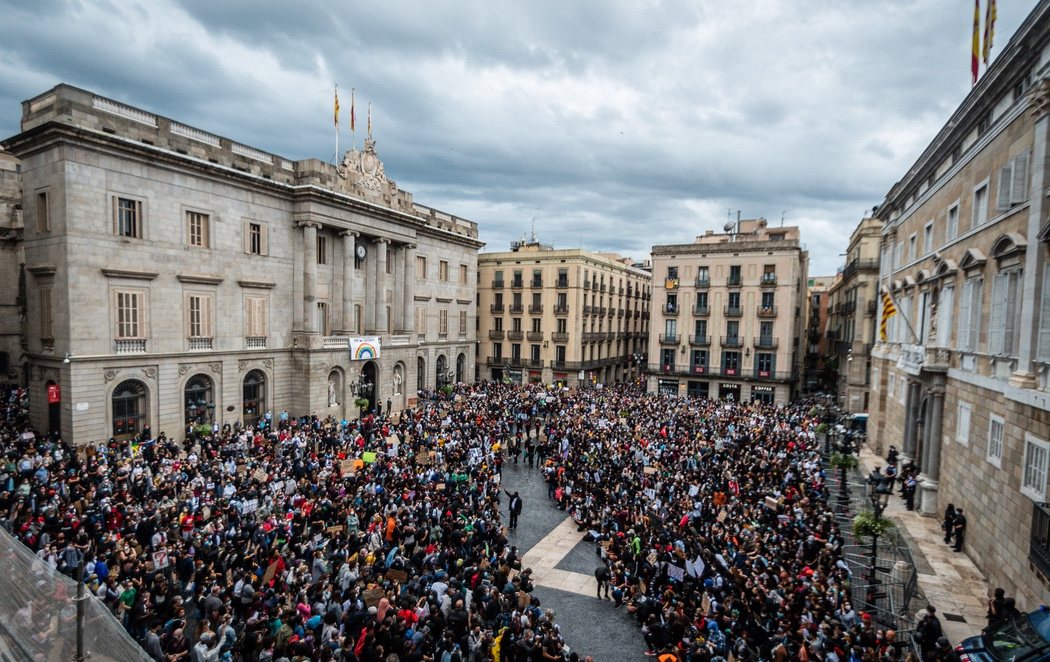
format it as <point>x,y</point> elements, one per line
<point>362,173</point>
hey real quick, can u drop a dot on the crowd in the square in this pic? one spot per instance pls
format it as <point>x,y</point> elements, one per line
<point>383,538</point>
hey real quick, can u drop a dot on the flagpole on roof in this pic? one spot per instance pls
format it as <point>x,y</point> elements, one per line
<point>336,118</point>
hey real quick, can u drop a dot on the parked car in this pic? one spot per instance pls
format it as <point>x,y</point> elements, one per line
<point>1026,638</point>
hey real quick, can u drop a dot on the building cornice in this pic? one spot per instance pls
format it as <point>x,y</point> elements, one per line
<point>199,279</point>
<point>132,274</point>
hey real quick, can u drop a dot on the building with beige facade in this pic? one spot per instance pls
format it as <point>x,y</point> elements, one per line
<point>853,315</point>
<point>11,259</point>
<point>175,276</point>
<point>561,315</point>
<point>962,384</point>
<point>814,372</point>
<point>727,316</point>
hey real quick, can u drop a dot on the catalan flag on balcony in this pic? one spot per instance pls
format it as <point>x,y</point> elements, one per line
<point>889,309</point>
<point>975,55</point>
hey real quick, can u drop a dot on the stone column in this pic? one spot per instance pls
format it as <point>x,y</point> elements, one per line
<point>370,289</point>
<point>397,306</point>
<point>380,285</point>
<point>309,276</point>
<point>349,248</point>
<point>409,288</point>
<point>911,420</point>
<point>1025,374</point>
<point>932,466</point>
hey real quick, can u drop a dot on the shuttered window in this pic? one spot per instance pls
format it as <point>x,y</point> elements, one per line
<point>256,317</point>
<point>945,312</point>
<point>129,310</point>
<point>198,316</point>
<point>1044,318</point>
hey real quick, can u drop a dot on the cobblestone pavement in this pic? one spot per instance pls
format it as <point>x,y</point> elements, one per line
<point>563,566</point>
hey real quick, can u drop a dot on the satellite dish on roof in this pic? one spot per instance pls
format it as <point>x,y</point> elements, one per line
<point>728,227</point>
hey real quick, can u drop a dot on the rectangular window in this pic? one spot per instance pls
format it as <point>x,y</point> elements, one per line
<point>764,364</point>
<point>462,274</point>
<point>953,223</point>
<point>768,301</point>
<point>256,317</point>
<point>443,271</point>
<point>731,362</point>
<point>980,205</point>
<point>1043,352</point>
<point>324,320</point>
<point>462,322</point>
<point>43,213</point>
<point>534,353</point>
<point>198,316</point>
<point>322,249</point>
<point>1002,322</point>
<point>559,353</point>
<point>927,238</point>
<point>912,254</point>
<point>962,424</point>
<point>891,385</point>
<point>562,325</point>
<point>197,229</point>
<point>255,238</point>
<point>1013,182</point>
<point>47,314</point>
<point>127,217</point>
<point>421,320</point>
<point>898,253</point>
<point>996,425</point>
<point>443,321</point>
<point>1036,457</point>
<point>129,312</point>
<point>970,314</point>
<point>945,313</point>
<point>421,267</point>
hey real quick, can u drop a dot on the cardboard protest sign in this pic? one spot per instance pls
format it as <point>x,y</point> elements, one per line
<point>260,475</point>
<point>271,570</point>
<point>372,597</point>
<point>160,559</point>
<point>346,467</point>
<point>397,575</point>
<point>722,515</point>
<point>649,470</point>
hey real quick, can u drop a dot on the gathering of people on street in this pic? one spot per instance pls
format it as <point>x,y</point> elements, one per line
<point>384,538</point>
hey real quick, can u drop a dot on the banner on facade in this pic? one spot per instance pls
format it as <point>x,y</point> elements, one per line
<point>911,359</point>
<point>364,348</point>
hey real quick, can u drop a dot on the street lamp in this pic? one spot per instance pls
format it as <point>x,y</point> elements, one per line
<point>446,376</point>
<point>211,412</point>
<point>879,490</point>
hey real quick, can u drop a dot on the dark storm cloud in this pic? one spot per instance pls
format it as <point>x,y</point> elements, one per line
<point>616,125</point>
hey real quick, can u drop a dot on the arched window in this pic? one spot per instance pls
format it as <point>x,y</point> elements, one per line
<point>421,373</point>
<point>130,409</point>
<point>253,401</point>
<point>197,400</point>
<point>461,367</point>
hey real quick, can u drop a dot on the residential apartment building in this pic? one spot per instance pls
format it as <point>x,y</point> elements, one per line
<point>853,300</point>
<point>814,370</point>
<point>173,276</point>
<point>962,386</point>
<point>727,319</point>
<point>561,315</point>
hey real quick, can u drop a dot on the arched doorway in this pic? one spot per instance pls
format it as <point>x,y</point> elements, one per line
<point>421,374</point>
<point>253,397</point>
<point>54,407</point>
<point>130,409</point>
<point>442,369</point>
<point>370,377</point>
<point>198,400</point>
<point>461,368</point>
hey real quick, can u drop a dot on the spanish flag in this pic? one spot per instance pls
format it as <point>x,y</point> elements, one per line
<point>889,309</point>
<point>975,56</point>
<point>337,106</point>
<point>989,30</point>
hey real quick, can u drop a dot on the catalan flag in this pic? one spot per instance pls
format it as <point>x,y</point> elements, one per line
<point>975,55</point>
<point>889,309</point>
<point>989,30</point>
<point>336,106</point>
<point>353,119</point>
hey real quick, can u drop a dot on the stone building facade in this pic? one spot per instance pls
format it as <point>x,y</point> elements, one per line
<point>814,368</point>
<point>174,276</point>
<point>728,319</point>
<point>11,295</point>
<point>962,384</point>
<point>853,301</point>
<point>564,316</point>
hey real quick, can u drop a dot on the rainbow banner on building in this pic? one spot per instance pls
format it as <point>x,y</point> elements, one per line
<point>364,348</point>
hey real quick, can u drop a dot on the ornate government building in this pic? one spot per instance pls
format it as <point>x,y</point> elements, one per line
<point>172,276</point>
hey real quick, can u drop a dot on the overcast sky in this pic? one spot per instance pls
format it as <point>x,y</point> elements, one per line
<point>615,124</point>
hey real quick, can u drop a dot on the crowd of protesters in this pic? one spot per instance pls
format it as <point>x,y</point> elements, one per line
<point>304,539</point>
<point>382,538</point>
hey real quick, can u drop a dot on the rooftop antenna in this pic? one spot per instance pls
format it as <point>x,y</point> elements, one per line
<point>782,217</point>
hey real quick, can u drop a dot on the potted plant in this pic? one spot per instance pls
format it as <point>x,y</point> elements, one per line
<point>842,461</point>
<point>867,524</point>
<point>362,404</point>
